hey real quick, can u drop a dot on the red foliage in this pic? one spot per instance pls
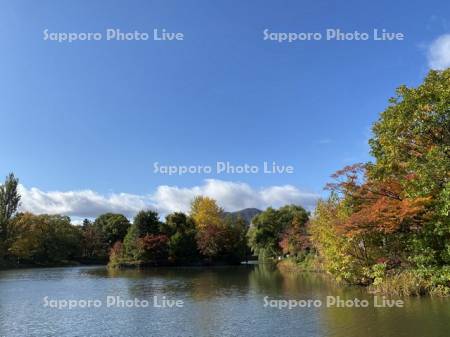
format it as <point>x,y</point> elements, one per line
<point>154,246</point>
<point>295,239</point>
<point>211,239</point>
<point>116,250</point>
<point>377,206</point>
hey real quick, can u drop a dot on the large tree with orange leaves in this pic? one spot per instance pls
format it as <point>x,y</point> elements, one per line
<point>377,206</point>
<point>396,209</point>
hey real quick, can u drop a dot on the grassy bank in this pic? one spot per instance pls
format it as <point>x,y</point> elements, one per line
<point>10,265</point>
<point>395,282</point>
<point>418,282</point>
<point>309,263</point>
<point>144,265</point>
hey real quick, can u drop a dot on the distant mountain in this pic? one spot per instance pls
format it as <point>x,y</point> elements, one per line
<point>247,214</point>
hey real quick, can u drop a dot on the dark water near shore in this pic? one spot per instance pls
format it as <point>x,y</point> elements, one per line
<point>219,301</point>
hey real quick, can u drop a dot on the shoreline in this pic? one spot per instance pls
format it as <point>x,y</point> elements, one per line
<point>402,283</point>
<point>72,263</point>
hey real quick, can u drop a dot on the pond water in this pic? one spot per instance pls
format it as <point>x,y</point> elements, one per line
<point>219,301</point>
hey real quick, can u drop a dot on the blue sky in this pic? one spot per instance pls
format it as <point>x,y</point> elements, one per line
<point>96,115</point>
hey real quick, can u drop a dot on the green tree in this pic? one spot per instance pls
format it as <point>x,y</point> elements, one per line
<point>411,144</point>
<point>93,245</point>
<point>411,140</point>
<point>269,226</point>
<point>130,244</point>
<point>177,222</point>
<point>113,227</point>
<point>9,202</point>
<point>289,213</point>
<point>147,222</point>
<point>340,255</point>
<point>392,215</point>
<point>236,247</point>
<point>181,231</point>
<point>263,235</point>
<point>183,247</point>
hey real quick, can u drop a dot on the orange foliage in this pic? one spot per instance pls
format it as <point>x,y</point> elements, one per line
<point>296,238</point>
<point>153,246</point>
<point>377,206</point>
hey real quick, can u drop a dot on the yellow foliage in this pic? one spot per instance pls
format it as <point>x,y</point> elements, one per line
<point>206,212</point>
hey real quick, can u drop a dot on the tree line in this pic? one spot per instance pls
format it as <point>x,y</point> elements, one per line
<point>206,235</point>
<point>385,224</point>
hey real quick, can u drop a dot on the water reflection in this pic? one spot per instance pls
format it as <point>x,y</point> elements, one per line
<point>219,301</point>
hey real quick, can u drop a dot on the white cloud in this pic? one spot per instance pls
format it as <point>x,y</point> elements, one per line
<point>85,203</point>
<point>439,53</point>
<point>231,196</point>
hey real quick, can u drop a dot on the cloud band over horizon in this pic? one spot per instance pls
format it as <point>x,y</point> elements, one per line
<point>232,196</point>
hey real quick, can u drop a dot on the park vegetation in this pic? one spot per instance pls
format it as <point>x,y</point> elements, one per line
<point>385,224</point>
<point>204,236</point>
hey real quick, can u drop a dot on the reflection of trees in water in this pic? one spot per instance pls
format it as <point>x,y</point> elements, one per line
<point>309,283</point>
<point>202,283</point>
<point>268,279</point>
<point>419,317</point>
<point>198,283</point>
<point>265,278</point>
<point>215,290</point>
<point>219,282</point>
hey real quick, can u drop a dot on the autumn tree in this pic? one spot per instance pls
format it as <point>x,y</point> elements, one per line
<point>341,256</point>
<point>206,212</point>
<point>209,221</point>
<point>211,240</point>
<point>411,146</point>
<point>377,205</point>
<point>144,241</point>
<point>154,248</point>
<point>296,240</point>
<point>381,216</point>
<point>394,212</point>
<point>45,239</point>
<point>218,237</point>
<point>116,254</point>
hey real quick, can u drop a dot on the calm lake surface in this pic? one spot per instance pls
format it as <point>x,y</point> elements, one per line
<point>219,301</point>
